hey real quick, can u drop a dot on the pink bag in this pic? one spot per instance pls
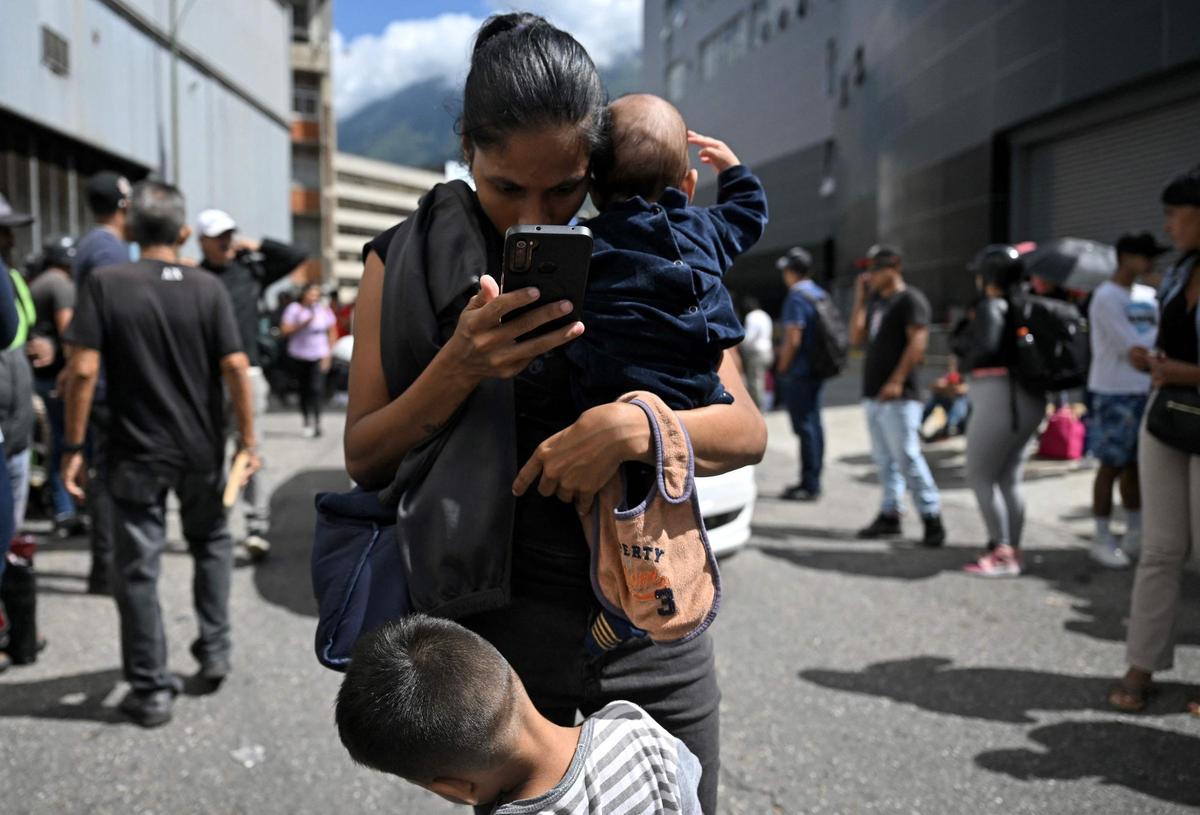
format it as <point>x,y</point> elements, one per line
<point>1063,437</point>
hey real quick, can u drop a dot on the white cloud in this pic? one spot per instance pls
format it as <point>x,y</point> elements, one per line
<point>372,66</point>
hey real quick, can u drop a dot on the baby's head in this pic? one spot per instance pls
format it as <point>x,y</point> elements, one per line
<point>646,152</point>
<point>435,704</point>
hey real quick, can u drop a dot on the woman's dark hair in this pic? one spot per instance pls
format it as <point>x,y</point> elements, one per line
<point>1000,265</point>
<point>525,73</point>
<point>1183,190</point>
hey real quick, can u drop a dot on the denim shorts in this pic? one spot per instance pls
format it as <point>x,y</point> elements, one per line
<point>1116,418</point>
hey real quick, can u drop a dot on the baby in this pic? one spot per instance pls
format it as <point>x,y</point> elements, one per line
<point>658,315</point>
<point>436,704</point>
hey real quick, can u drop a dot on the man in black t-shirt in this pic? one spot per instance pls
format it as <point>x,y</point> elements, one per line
<point>892,321</point>
<point>173,329</point>
<point>246,268</point>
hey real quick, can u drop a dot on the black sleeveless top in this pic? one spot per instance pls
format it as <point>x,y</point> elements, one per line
<point>550,556</point>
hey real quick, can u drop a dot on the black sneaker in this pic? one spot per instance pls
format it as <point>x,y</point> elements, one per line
<point>799,493</point>
<point>935,533</point>
<point>148,708</point>
<point>884,526</point>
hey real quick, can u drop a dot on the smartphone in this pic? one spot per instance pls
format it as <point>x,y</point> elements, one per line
<point>552,259</point>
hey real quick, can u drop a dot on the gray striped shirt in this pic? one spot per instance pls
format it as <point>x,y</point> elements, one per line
<point>625,764</point>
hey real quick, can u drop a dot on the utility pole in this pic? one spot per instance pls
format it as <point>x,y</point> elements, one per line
<point>175,19</point>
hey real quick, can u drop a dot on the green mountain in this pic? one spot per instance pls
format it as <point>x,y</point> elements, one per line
<point>415,125</point>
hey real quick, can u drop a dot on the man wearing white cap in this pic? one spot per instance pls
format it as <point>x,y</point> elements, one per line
<point>247,268</point>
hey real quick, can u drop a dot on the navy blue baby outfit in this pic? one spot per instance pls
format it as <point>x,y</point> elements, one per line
<point>657,313</point>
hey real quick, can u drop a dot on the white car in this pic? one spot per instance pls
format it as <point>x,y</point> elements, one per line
<point>727,504</point>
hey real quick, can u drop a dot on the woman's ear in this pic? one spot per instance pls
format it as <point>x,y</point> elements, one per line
<point>468,151</point>
<point>688,184</point>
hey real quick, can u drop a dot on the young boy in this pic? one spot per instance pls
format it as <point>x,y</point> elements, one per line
<point>435,704</point>
<point>658,315</point>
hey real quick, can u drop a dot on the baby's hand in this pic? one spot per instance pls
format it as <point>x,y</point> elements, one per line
<point>713,152</point>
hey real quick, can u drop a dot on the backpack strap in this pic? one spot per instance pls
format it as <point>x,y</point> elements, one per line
<point>675,465</point>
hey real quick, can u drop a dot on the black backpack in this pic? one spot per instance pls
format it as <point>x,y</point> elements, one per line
<point>830,342</point>
<point>1052,347</point>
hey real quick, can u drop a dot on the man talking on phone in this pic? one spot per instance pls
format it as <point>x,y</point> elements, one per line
<point>246,268</point>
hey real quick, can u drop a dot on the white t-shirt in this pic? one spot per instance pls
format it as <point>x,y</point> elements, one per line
<point>758,332</point>
<point>1118,320</point>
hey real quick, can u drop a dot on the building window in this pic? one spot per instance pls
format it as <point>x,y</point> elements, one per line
<point>727,45</point>
<point>306,95</point>
<point>677,80</point>
<point>56,52</point>
<point>760,25</point>
<point>301,17</point>
<point>830,67</point>
<point>674,14</point>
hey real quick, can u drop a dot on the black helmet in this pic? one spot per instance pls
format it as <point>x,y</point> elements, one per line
<point>998,264</point>
<point>59,252</point>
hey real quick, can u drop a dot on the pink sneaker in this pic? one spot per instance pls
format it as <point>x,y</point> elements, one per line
<point>1003,561</point>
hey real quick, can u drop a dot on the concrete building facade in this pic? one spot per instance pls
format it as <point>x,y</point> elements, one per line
<point>939,125</point>
<point>85,85</point>
<point>314,132</point>
<point>372,196</point>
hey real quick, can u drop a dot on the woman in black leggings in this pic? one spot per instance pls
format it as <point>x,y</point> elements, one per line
<point>311,329</point>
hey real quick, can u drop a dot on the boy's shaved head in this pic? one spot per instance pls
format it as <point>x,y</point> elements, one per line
<point>648,150</point>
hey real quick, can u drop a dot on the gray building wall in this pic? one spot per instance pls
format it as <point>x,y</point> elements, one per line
<point>234,97</point>
<point>920,154</point>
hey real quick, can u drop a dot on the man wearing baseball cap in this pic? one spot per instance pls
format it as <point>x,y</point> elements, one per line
<point>107,196</point>
<point>798,389</point>
<point>891,319</point>
<point>246,268</point>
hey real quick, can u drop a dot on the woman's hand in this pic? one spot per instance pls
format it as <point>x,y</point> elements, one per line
<point>1139,357</point>
<point>1165,371</point>
<point>484,348</point>
<point>576,462</point>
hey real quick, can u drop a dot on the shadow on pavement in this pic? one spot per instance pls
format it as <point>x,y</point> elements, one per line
<point>993,694</point>
<point>1101,596</point>
<point>812,532</point>
<point>284,578</point>
<point>79,697</point>
<point>1157,763</point>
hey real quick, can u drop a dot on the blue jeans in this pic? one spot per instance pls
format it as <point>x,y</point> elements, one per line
<point>895,428</point>
<point>802,397</point>
<point>64,506</point>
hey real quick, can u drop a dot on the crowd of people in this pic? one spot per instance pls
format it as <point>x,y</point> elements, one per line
<point>127,382</point>
<point>1139,379</point>
<point>142,360</point>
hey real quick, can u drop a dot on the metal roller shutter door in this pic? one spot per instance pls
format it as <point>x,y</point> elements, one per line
<point>1106,180</point>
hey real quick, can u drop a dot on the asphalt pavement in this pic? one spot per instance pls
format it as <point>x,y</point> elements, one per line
<point>857,677</point>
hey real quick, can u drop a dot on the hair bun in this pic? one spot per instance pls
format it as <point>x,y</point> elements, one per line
<point>499,24</point>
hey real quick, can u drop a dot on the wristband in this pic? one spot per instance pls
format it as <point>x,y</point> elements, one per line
<point>71,449</point>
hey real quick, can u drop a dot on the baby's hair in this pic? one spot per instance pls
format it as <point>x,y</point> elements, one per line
<point>646,150</point>
<point>425,698</point>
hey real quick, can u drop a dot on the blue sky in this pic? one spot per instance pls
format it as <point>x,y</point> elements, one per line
<point>381,46</point>
<point>355,17</point>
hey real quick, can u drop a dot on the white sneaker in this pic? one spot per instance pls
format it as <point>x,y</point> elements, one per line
<point>1109,555</point>
<point>257,547</point>
<point>1131,544</point>
<point>310,432</point>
